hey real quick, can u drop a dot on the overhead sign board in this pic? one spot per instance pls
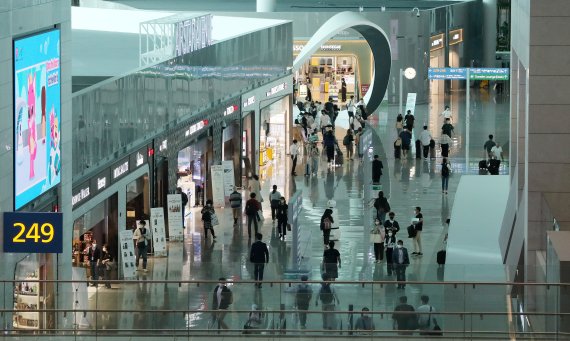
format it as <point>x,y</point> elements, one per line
<point>455,36</point>
<point>193,128</point>
<point>31,232</point>
<point>193,34</point>
<point>447,73</point>
<point>436,42</point>
<point>491,74</point>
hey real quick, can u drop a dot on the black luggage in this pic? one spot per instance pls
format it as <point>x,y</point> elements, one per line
<point>494,166</point>
<point>412,231</point>
<point>432,149</point>
<point>441,257</point>
<point>483,164</point>
<point>419,149</point>
<point>339,158</point>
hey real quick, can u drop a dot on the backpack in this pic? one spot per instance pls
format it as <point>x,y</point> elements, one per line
<point>250,209</point>
<point>326,225</point>
<point>303,298</point>
<point>325,294</point>
<point>346,140</point>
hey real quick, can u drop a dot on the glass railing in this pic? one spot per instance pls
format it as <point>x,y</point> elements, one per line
<point>187,308</point>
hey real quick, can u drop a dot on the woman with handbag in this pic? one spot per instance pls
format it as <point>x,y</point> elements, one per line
<point>208,214</point>
<point>377,236</point>
<point>282,219</point>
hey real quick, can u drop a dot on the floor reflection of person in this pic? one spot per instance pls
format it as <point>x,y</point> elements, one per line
<point>221,301</point>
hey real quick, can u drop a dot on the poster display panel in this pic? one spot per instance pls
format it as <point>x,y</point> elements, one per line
<point>175,227</point>
<point>158,231</point>
<point>229,179</point>
<point>37,116</point>
<point>128,258</point>
<point>218,185</point>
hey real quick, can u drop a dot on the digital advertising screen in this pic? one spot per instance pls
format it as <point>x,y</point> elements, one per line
<point>37,115</point>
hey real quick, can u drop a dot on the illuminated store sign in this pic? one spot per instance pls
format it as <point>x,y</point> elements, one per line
<point>249,101</point>
<point>193,34</point>
<point>436,42</point>
<point>101,183</point>
<point>455,36</point>
<point>120,170</point>
<point>230,110</point>
<point>139,158</point>
<point>80,194</point>
<point>32,232</point>
<point>163,145</point>
<point>195,127</point>
<point>329,47</point>
<point>276,89</point>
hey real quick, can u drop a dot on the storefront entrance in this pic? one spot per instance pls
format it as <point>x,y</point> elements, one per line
<point>273,134</point>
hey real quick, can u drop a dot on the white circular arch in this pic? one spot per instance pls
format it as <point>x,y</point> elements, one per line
<point>376,39</point>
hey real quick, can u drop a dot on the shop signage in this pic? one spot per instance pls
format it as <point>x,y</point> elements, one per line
<point>455,36</point>
<point>193,34</point>
<point>328,47</point>
<point>364,89</point>
<point>119,170</point>
<point>100,182</point>
<point>231,109</point>
<point>492,74</point>
<point>80,194</point>
<point>276,89</point>
<point>32,232</point>
<point>139,158</point>
<point>249,101</point>
<point>447,73</point>
<point>195,127</point>
<point>163,145</point>
<point>436,42</point>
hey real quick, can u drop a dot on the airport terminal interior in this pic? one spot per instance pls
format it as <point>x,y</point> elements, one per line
<point>177,169</point>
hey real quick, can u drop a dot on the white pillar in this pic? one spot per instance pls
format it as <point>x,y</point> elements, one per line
<point>266,5</point>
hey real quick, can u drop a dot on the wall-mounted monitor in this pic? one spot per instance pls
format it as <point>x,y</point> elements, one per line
<point>37,115</point>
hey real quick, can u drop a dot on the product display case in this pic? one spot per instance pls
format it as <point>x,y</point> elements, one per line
<point>29,296</point>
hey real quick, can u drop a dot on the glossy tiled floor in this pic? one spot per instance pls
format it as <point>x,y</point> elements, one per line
<point>407,183</point>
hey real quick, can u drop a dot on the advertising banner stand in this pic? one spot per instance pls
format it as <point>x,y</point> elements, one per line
<point>218,191</point>
<point>300,239</point>
<point>158,231</point>
<point>127,256</point>
<point>175,227</point>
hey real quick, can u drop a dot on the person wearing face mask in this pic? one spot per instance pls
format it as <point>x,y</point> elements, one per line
<point>142,236</point>
<point>94,256</point>
<point>377,236</point>
<point>281,214</point>
<point>391,225</point>
<point>107,265</point>
<point>390,243</point>
<point>401,261</point>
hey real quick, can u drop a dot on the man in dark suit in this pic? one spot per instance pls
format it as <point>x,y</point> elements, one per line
<point>94,256</point>
<point>401,261</point>
<point>259,255</point>
<point>376,169</point>
<point>221,301</point>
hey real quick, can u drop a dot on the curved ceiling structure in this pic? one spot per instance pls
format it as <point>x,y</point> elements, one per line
<point>377,40</point>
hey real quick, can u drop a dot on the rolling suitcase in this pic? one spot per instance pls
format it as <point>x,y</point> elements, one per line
<point>419,149</point>
<point>441,257</point>
<point>397,152</point>
<point>432,149</point>
<point>339,157</point>
<point>483,164</point>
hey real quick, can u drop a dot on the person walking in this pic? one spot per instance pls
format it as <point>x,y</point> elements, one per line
<point>409,120</point>
<point>315,158</point>
<point>348,142</point>
<point>274,197</point>
<point>303,297</point>
<point>406,137</point>
<point>364,323</point>
<point>207,215</point>
<point>401,261</point>
<point>497,151</point>
<point>445,171</point>
<point>328,297</point>
<point>382,206</point>
<point>404,317</point>
<point>446,113</point>
<point>418,223</point>
<point>252,210</point>
<point>377,167</point>
<point>426,322</point>
<point>444,142</point>
<point>377,236</point>
<point>282,218</point>
<point>390,244</point>
<point>94,257</point>
<point>326,225</point>
<point>399,124</point>
<point>331,261</point>
<point>294,151</point>
<point>222,298</point>
<point>142,235</point>
<point>488,146</point>
<point>235,204</point>
<point>259,256</point>
<point>255,187</point>
<point>351,110</point>
<point>329,142</point>
<point>425,138</point>
<point>447,128</point>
